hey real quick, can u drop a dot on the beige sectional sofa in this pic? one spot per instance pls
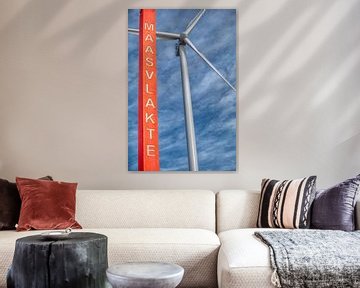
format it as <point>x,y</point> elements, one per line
<point>177,226</point>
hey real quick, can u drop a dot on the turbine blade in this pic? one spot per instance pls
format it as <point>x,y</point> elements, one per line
<point>133,31</point>
<point>194,21</point>
<point>159,34</point>
<point>167,35</point>
<point>187,41</point>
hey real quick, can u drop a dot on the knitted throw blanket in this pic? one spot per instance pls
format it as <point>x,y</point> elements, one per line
<point>313,258</point>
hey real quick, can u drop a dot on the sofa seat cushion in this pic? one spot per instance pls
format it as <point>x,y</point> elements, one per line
<point>194,249</point>
<point>244,261</point>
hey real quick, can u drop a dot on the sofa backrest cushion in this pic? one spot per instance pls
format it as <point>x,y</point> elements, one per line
<point>146,209</point>
<point>236,209</point>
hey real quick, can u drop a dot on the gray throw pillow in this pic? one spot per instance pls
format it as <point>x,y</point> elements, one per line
<point>334,208</point>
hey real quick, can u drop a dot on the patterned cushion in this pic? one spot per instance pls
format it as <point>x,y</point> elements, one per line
<point>286,204</point>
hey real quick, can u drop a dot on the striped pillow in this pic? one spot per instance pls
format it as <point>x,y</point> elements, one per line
<point>286,204</point>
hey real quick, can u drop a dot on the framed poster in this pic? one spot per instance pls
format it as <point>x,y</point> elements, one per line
<point>182,90</point>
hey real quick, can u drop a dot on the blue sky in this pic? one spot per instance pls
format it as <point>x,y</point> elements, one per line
<point>214,103</point>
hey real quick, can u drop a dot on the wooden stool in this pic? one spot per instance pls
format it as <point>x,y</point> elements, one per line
<point>78,261</point>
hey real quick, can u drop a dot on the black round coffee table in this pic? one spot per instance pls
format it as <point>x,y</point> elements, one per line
<point>80,261</point>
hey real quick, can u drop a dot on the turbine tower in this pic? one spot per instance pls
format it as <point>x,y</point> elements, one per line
<point>183,41</point>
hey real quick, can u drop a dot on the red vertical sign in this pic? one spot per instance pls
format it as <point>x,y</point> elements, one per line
<point>148,142</point>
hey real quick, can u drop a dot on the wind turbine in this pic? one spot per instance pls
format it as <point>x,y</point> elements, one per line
<point>183,41</point>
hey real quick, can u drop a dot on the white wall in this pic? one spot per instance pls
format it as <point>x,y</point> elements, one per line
<point>63,92</point>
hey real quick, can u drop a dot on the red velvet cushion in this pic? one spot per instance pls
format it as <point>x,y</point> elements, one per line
<point>46,204</point>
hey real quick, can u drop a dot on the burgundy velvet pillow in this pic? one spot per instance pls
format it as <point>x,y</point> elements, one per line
<point>334,208</point>
<point>46,204</point>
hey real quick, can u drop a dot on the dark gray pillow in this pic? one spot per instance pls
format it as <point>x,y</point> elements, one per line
<point>9,205</point>
<point>334,208</point>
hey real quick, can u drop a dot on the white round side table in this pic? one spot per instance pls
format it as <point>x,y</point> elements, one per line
<point>145,275</point>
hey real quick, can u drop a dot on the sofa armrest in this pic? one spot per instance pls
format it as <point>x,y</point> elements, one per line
<point>357,215</point>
